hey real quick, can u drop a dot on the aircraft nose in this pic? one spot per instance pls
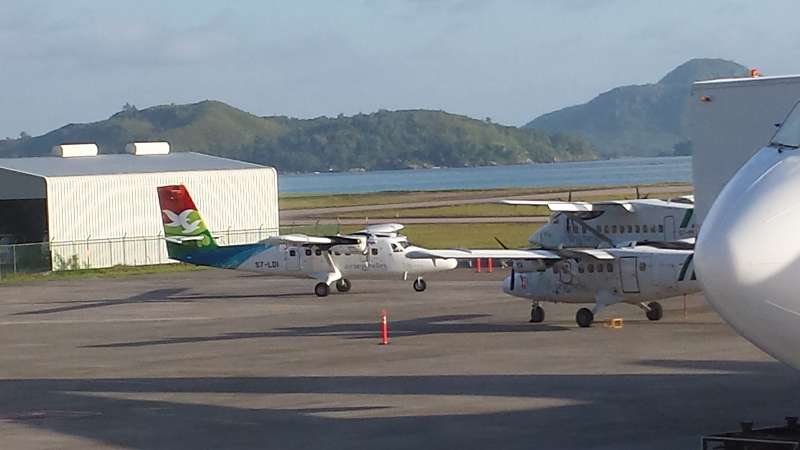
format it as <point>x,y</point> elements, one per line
<point>536,238</point>
<point>748,256</point>
<point>507,285</point>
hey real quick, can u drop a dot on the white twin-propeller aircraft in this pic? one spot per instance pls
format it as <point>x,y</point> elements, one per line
<point>379,251</point>
<point>613,223</point>
<point>636,275</point>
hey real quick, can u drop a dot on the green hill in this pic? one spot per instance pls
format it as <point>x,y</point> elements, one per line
<point>645,120</point>
<point>382,140</point>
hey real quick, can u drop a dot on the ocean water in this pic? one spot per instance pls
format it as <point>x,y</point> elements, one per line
<point>591,173</point>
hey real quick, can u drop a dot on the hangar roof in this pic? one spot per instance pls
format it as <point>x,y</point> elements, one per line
<point>56,166</point>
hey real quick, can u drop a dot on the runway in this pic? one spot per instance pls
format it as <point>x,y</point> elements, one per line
<point>216,359</point>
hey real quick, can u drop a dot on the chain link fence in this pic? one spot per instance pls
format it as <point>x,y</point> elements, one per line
<point>122,251</point>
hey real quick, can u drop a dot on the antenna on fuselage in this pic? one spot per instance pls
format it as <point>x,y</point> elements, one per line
<point>501,243</point>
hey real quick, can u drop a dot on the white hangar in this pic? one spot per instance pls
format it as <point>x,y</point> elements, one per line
<point>102,210</point>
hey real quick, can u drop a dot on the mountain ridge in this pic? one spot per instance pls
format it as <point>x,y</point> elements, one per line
<point>639,120</point>
<point>380,140</point>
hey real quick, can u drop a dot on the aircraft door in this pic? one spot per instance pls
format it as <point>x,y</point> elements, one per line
<point>565,272</point>
<point>669,228</point>
<point>628,274</point>
<point>292,261</point>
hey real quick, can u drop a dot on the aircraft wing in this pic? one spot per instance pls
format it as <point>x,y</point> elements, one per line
<point>303,240</point>
<point>531,254</point>
<point>601,255</point>
<point>382,228</point>
<point>474,254</point>
<point>559,206</point>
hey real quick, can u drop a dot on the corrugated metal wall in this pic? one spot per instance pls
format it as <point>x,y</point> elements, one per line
<point>102,221</point>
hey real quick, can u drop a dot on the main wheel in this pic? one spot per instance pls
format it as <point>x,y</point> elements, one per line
<point>321,289</point>
<point>656,312</point>
<point>537,314</point>
<point>420,285</point>
<point>584,317</point>
<point>343,285</point>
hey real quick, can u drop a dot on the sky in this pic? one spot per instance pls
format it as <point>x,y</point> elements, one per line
<point>510,60</point>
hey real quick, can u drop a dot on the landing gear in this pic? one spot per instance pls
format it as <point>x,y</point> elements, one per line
<point>420,285</point>
<point>654,311</point>
<point>537,313</point>
<point>584,317</point>
<point>321,289</point>
<point>343,285</point>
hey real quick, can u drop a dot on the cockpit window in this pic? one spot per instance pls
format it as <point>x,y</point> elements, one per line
<point>404,244</point>
<point>788,135</point>
<point>589,215</point>
<point>396,248</point>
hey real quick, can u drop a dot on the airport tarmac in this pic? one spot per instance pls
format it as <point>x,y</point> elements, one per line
<point>216,359</point>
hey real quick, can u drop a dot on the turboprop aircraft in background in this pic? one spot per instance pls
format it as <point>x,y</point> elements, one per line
<point>613,223</point>
<point>638,275</point>
<point>379,251</point>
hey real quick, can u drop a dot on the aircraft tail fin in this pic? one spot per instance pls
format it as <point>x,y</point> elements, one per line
<point>184,228</point>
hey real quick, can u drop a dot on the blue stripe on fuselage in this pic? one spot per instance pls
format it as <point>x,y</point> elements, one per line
<point>227,257</point>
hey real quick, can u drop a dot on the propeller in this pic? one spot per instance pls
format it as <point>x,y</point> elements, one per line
<point>513,273</point>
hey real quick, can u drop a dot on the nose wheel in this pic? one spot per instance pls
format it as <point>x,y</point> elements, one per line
<point>321,289</point>
<point>584,317</point>
<point>343,285</point>
<point>654,311</point>
<point>419,285</point>
<point>537,314</point>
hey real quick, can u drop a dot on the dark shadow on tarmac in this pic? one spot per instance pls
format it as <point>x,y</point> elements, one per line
<point>629,411</point>
<point>156,296</point>
<point>446,324</point>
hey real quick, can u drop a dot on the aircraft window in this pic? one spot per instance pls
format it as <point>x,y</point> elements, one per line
<point>630,228</point>
<point>337,253</point>
<point>374,251</point>
<point>347,252</point>
<point>661,228</point>
<point>555,268</point>
<point>404,244</point>
<point>396,248</point>
<point>590,268</point>
<point>622,229</point>
<point>318,252</point>
<point>583,229</point>
<point>652,228</point>
<point>605,229</point>
<point>580,268</point>
<point>292,253</point>
<point>610,267</point>
<point>308,252</point>
<point>613,228</point>
<point>600,267</point>
<point>642,267</point>
<point>638,229</point>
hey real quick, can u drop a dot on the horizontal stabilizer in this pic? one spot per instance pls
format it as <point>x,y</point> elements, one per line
<point>182,239</point>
